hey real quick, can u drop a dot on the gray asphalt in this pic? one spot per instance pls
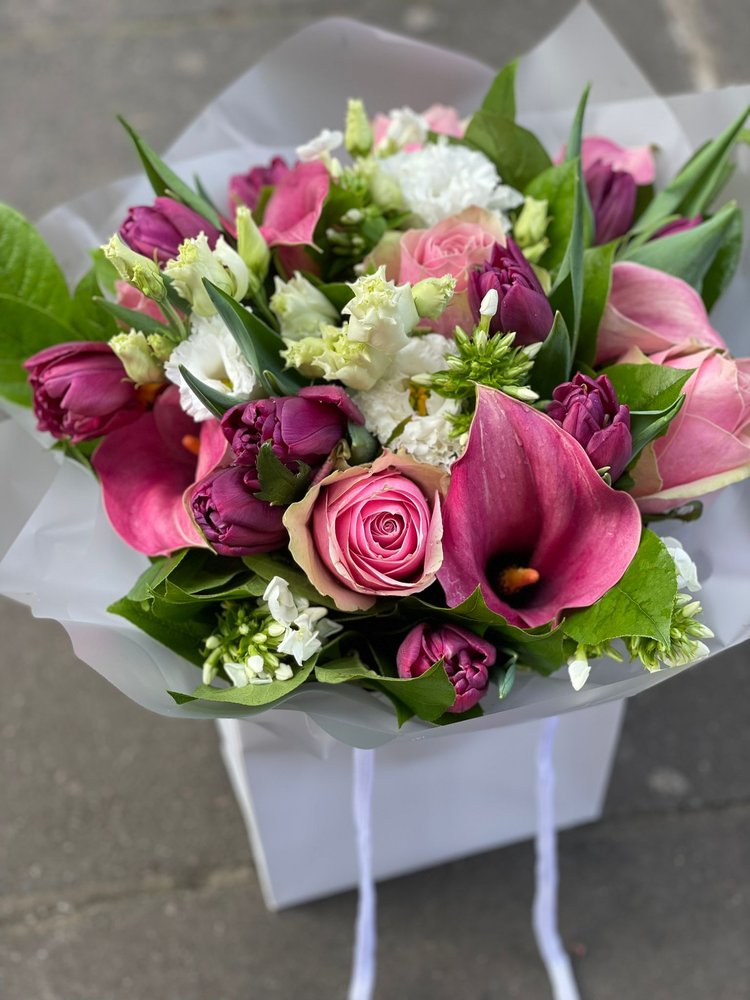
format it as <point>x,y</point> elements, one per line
<point>124,868</point>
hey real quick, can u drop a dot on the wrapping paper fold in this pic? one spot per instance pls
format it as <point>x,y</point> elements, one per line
<point>59,554</point>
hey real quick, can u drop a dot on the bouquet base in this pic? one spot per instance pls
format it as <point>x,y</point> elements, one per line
<point>434,799</point>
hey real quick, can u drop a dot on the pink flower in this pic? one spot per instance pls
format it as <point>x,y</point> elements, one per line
<point>81,391</point>
<point>146,470</point>
<point>707,445</point>
<point>465,656</point>
<point>370,531</point>
<point>294,208</point>
<point>157,230</point>
<point>588,409</point>
<point>233,520</point>
<point>245,189</point>
<point>638,161</point>
<point>440,118</point>
<point>653,311</point>
<point>453,246</point>
<point>132,298</point>
<point>529,521</point>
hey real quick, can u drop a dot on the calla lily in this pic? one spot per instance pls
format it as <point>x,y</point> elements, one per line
<point>145,470</point>
<point>529,521</point>
<point>294,208</point>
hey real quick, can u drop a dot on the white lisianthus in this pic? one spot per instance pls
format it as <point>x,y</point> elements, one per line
<point>212,355</point>
<point>196,260</point>
<point>687,572</point>
<point>300,307</point>
<point>305,627</point>
<point>382,313</point>
<point>321,147</point>
<point>406,127</point>
<point>138,358</point>
<point>443,179</point>
<point>335,356</point>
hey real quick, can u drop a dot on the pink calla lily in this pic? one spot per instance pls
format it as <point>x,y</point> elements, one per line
<point>528,519</point>
<point>294,208</point>
<point>638,161</point>
<point>146,468</point>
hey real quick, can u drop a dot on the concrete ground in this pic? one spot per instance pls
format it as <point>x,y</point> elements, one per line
<point>124,868</point>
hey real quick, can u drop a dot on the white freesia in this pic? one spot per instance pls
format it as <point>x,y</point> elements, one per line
<point>300,307</point>
<point>195,261</point>
<point>382,313</point>
<point>321,146</point>
<point>687,572</point>
<point>443,179</point>
<point>212,355</point>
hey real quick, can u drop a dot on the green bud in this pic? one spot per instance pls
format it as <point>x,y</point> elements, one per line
<point>251,246</point>
<point>432,295</point>
<point>161,346</point>
<point>358,137</point>
<point>531,224</point>
<point>136,269</point>
<point>138,359</point>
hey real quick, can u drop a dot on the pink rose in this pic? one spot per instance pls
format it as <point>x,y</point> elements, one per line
<point>653,311</point>
<point>465,656</point>
<point>707,445</point>
<point>370,531</point>
<point>440,118</point>
<point>453,246</point>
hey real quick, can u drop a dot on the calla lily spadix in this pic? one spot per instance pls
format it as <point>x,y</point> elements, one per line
<point>528,519</point>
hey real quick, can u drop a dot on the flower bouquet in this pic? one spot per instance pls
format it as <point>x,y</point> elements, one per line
<point>390,425</point>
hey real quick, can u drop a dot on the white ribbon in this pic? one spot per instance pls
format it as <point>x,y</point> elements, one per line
<point>362,981</point>
<point>553,954</point>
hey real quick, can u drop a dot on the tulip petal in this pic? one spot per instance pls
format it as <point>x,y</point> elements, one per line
<point>638,161</point>
<point>525,491</point>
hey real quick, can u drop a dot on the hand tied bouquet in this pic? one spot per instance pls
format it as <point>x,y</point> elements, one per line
<point>400,418</point>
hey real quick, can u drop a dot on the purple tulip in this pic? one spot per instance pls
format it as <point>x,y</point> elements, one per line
<point>523,307</point>
<point>677,226</point>
<point>465,656</point>
<point>157,230</point>
<point>612,194</point>
<point>588,409</point>
<point>81,391</point>
<point>232,520</point>
<point>302,428</point>
<point>245,189</point>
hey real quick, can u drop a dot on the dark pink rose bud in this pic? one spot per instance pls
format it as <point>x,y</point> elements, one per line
<point>523,307</point>
<point>157,230</point>
<point>466,658</point>
<point>81,391</point>
<point>232,520</point>
<point>677,226</point>
<point>612,194</point>
<point>588,409</point>
<point>245,189</point>
<point>301,428</point>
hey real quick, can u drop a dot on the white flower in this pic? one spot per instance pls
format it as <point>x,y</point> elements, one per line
<point>196,260</point>
<point>212,355</point>
<point>687,572</point>
<point>405,127</point>
<point>300,307</point>
<point>321,146</point>
<point>381,312</point>
<point>281,602</point>
<point>578,669</point>
<point>488,305</point>
<point>305,627</point>
<point>334,356</point>
<point>442,179</point>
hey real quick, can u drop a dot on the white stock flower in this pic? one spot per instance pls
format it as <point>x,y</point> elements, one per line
<point>300,307</point>
<point>382,313</point>
<point>443,179</point>
<point>687,572</point>
<point>321,146</point>
<point>212,355</point>
<point>195,261</point>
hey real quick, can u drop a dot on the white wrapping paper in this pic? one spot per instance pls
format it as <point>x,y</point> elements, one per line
<point>59,554</point>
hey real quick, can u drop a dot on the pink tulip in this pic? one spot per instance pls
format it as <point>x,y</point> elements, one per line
<point>638,161</point>
<point>588,409</point>
<point>233,521</point>
<point>157,230</point>
<point>294,208</point>
<point>245,189</point>
<point>465,657</point>
<point>529,521</point>
<point>653,311</point>
<point>707,445</point>
<point>454,246</point>
<point>147,468</point>
<point>370,531</point>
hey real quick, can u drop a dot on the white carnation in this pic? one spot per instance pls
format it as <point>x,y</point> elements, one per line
<point>212,355</point>
<point>443,179</point>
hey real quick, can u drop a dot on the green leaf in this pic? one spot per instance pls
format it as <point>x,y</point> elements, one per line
<point>217,402</point>
<point>654,395</point>
<point>573,152</point>
<point>552,363</point>
<point>259,344</point>
<point>567,290</point>
<point>24,330</point>
<point>184,637</point>
<point>338,293</point>
<point>597,281</point>
<point>507,682</point>
<point>428,695</point>
<point>516,152</point>
<point>278,484</point>
<point>137,320</point>
<point>28,270</point>
<point>500,99</point>
<point>557,186</point>
<point>87,317</point>
<point>106,272</point>
<point>640,604</point>
<point>695,185</point>
<point>256,695</point>
<point>165,181</point>
<point>363,445</point>
<point>690,254</point>
<point>724,265</point>
<point>268,565</point>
